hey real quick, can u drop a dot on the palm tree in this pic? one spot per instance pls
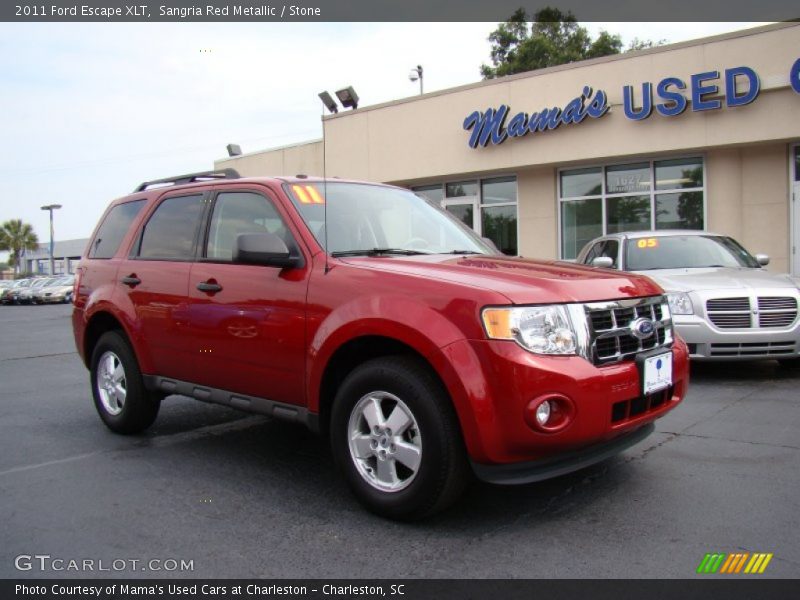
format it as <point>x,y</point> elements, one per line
<point>16,237</point>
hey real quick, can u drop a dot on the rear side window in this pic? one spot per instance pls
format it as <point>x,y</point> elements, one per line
<point>114,227</point>
<point>172,229</point>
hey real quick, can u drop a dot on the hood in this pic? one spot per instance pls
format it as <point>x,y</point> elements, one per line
<point>719,278</point>
<point>522,281</point>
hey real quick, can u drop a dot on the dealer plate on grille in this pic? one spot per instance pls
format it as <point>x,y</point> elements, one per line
<point>657,373</point>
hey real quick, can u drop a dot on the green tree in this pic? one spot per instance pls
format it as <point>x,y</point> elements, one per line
<point>553,38</point>
<point>16,236</point>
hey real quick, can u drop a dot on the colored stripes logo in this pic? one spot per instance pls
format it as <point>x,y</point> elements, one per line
<point>729,564</point>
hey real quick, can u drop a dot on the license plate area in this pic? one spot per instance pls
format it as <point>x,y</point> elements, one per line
<point>655,371</point>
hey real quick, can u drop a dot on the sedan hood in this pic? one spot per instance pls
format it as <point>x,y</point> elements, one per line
<point>718,278</point>
<point>521,280</point>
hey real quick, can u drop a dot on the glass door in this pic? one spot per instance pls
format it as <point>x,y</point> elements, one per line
<point>464,209</point>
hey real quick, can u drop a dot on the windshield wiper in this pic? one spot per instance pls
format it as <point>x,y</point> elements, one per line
<point>377,252</point>
<point>462,252</point>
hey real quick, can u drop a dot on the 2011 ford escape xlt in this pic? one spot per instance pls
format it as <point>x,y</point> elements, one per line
<point>426,356</point>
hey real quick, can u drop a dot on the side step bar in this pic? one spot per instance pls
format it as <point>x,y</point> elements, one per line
<point>251,404</point>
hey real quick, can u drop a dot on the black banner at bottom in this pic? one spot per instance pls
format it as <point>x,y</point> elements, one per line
<point>399,589</point>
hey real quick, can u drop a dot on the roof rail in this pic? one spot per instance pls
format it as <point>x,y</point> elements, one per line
<point>191,178</point>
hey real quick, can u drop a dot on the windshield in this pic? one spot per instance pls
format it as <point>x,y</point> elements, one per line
<point>363,217</point>
<point>686,252</point>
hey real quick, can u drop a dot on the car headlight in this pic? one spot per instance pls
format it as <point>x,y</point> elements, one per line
<point>680,303</point>
<point>539,329</point>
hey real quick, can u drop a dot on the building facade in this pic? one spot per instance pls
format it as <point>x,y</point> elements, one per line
<point>698,135</point>
<point>66,255</point>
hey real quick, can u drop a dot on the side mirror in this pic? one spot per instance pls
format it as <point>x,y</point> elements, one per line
<point>265,249</point>
<point>762,259</point>
<point>603,262</point>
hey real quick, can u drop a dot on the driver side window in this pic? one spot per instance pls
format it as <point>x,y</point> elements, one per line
<point>236,213</point>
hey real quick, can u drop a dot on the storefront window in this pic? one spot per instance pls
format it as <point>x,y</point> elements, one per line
<point>625,179</point>
<point>581,182</point>
<point>489,206</point>
<point>616,198</point>
<point>434,193</point>
<point>581,222</point>
<point>628,213</point>
<point>459,189</point>
<point>500,226</point>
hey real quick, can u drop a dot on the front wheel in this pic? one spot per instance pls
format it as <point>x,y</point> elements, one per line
<point>395,435</point>
<point>120,397</point>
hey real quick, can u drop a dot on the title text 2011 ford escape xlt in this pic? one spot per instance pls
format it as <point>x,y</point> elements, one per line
<point>423,353</point>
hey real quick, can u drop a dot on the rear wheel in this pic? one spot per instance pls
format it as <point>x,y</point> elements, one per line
<point>120,397</point>
<point>395,436</point>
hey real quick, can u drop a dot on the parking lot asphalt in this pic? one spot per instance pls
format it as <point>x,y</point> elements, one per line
<point>244,496</point>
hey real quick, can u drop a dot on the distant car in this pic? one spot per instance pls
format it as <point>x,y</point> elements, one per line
<point>58,291</point>
<point>26,296</point>
<point>12,294</point>
<point>723,303</point>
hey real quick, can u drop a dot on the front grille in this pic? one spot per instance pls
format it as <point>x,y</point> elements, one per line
<point>729,313</point>
<point>776,311</point>
<point>736,313</point>
<point>610,332</point>
<point>752,349</point>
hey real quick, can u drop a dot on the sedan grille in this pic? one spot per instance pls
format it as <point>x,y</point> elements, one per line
<point>736,313</point>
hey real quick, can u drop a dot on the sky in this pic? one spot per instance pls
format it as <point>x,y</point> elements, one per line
<point>90,110</point>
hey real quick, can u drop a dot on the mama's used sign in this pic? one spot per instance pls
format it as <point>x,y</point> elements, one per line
<point>741,84</point>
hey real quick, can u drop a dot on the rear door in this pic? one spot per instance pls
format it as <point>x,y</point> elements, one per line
<point>247,322</point>
<point>156,280</point>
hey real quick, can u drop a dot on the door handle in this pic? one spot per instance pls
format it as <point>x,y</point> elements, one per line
<point>131,280</point>
<point>210,286</point>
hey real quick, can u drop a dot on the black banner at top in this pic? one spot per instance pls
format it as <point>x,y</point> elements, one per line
<point>387,10</point>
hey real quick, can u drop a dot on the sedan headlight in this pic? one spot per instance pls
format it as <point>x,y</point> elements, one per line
<point>539,329</point>
<point>680,303</point>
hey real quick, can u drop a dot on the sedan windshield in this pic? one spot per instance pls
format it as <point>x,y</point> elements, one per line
<point>686,252</point>
<point>378,220</point>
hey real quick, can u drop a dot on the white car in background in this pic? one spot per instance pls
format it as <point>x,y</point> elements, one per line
<point>724,304</point>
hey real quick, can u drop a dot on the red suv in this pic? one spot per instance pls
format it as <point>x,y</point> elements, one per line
<point>423,353</point>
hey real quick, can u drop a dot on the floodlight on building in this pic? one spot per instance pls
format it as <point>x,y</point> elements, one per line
<point>234,150</point>
<point>415,74</point>
<point>329,102</point>
<point>348,97</point>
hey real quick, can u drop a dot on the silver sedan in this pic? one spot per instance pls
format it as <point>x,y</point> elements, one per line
<point>723,303</point>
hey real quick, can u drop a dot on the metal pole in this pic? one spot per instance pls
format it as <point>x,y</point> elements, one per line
<point>52,260</point>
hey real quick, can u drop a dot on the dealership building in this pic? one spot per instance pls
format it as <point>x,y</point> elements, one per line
<point>697,135</point>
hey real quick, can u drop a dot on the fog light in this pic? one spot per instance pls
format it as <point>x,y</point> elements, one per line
<point>543,413</point>
<point>549,413</point>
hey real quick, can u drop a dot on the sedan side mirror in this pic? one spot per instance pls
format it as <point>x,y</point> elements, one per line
<point>603,262</point>
<point>265,249</point>
<point>762,259</point>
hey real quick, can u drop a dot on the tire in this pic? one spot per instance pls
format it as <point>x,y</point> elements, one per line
<point>120,397</point>
<point>407,475</point>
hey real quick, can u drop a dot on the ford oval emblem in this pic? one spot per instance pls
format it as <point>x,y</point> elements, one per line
<point>643,328</point>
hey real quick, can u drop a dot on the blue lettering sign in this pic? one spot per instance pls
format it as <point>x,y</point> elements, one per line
<point>753,86</point>
<point>676,98</point>
<point>794,76</point>
<point>699,90</point>
<point>647,102</point>
<point>489,126</point>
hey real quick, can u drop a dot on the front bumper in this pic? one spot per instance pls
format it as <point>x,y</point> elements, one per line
<point>502,380</point>
<point>707,342</point>
<point>539,470</point>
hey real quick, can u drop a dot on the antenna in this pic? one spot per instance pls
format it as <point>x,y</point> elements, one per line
<point>325,192</point>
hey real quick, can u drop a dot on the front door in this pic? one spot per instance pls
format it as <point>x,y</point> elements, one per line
<point>247,322</point>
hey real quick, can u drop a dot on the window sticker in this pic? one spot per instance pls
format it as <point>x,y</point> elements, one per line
<point>645,243</point>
